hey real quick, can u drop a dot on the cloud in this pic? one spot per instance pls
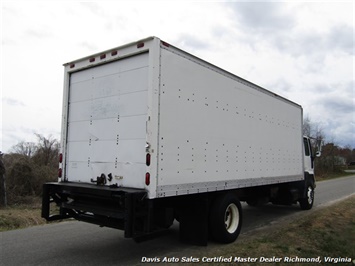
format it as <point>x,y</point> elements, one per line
<point>341,37</point>
<point>13,102</point>
<point>88,46</point>
<point>333,106</point>
<point>193,42</point>
<point>94,8</point>
<point>262,17</point>
<point>338,38</point>
<point>302,51</point>
<point>339,105</point>
<point>39,33</point>
<point>287,28</point>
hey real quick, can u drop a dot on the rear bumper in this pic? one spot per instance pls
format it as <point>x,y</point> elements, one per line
<point>122,208</point>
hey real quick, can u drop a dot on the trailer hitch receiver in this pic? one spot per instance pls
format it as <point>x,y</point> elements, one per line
<point>100,180</point>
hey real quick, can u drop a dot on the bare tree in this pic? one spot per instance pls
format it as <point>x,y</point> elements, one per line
<point>25,148</point>
<point>307,126</point>
<point>46,151</point>
<point>28,166</point>
<point>314,131</point>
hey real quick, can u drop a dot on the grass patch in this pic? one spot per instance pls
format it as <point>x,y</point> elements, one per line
<point>326,232</point>
<point>20,217</point>
<point>332,175</point>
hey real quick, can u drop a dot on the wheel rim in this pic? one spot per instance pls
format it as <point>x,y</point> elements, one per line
<point>310,195</point>
<point>231,218</point>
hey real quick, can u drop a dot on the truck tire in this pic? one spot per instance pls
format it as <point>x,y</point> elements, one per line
<point>307,202</point>
<point>225,219</point>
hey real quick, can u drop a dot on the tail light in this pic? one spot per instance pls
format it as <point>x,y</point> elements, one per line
<point>60,171</point>
<point>147,178</point>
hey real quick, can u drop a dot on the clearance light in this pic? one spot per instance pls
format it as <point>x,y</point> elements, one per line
<point>114,53</point>
<point>147,159</point>
<point>140,45</point>
<point>147,178</point>
<point>72,65</point>
<point>103,56</point>
<point>92,60</point>
<point>165,44</point>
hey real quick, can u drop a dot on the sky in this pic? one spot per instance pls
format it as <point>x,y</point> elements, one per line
<point>303,51</point>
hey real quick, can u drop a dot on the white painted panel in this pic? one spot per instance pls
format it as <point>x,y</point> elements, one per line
<point>103,108</point>
<point>215,128</point>
<point>78,151</point>
<point>107,122</point>
<point>80,111</point>
<point>78,170</point>
<point>79,131</point>
<point>81,91</point>
<point>133,103</point>
<point>132,84</point>
<point>133,127</point>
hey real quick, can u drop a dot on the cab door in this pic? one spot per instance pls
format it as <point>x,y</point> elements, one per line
<point>308,156</point>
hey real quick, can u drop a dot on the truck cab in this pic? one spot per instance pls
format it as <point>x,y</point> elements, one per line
<point>306,202</point>
<point>309,155</point>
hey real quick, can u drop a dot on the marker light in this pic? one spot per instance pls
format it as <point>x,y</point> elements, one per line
<point>147,159</point>
<point>147,178</point>
<point>165,44</point>
<point>60,172</point>
<point>60,157</point>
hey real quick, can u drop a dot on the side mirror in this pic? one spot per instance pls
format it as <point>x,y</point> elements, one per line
<point>319,147</point>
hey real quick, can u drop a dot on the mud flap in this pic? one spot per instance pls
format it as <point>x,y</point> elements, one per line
<point>194,221</point>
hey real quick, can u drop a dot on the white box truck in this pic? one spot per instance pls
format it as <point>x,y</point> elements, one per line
<point>151,133</point>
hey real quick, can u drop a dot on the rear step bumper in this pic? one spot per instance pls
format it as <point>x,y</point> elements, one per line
<point>122,208</point>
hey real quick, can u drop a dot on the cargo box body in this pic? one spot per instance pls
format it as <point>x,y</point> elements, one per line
<point>152,134</point>
<point>204,129</point>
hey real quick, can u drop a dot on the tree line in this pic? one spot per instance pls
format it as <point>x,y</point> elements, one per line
<point>29,165</point>
<point>334,159</point>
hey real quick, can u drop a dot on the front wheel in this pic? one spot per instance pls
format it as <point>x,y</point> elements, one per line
<point>225,218</point>
<point>307,202</point>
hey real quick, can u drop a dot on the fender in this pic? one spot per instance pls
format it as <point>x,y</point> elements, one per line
<point>308,179</point>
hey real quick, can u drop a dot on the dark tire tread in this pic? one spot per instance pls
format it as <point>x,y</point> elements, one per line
<point>217,227</point>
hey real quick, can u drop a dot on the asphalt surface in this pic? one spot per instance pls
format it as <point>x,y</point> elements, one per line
<point>77,243</point>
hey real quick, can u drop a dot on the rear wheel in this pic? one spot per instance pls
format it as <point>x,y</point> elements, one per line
<point>307,202</point>
<point>225,218</point>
